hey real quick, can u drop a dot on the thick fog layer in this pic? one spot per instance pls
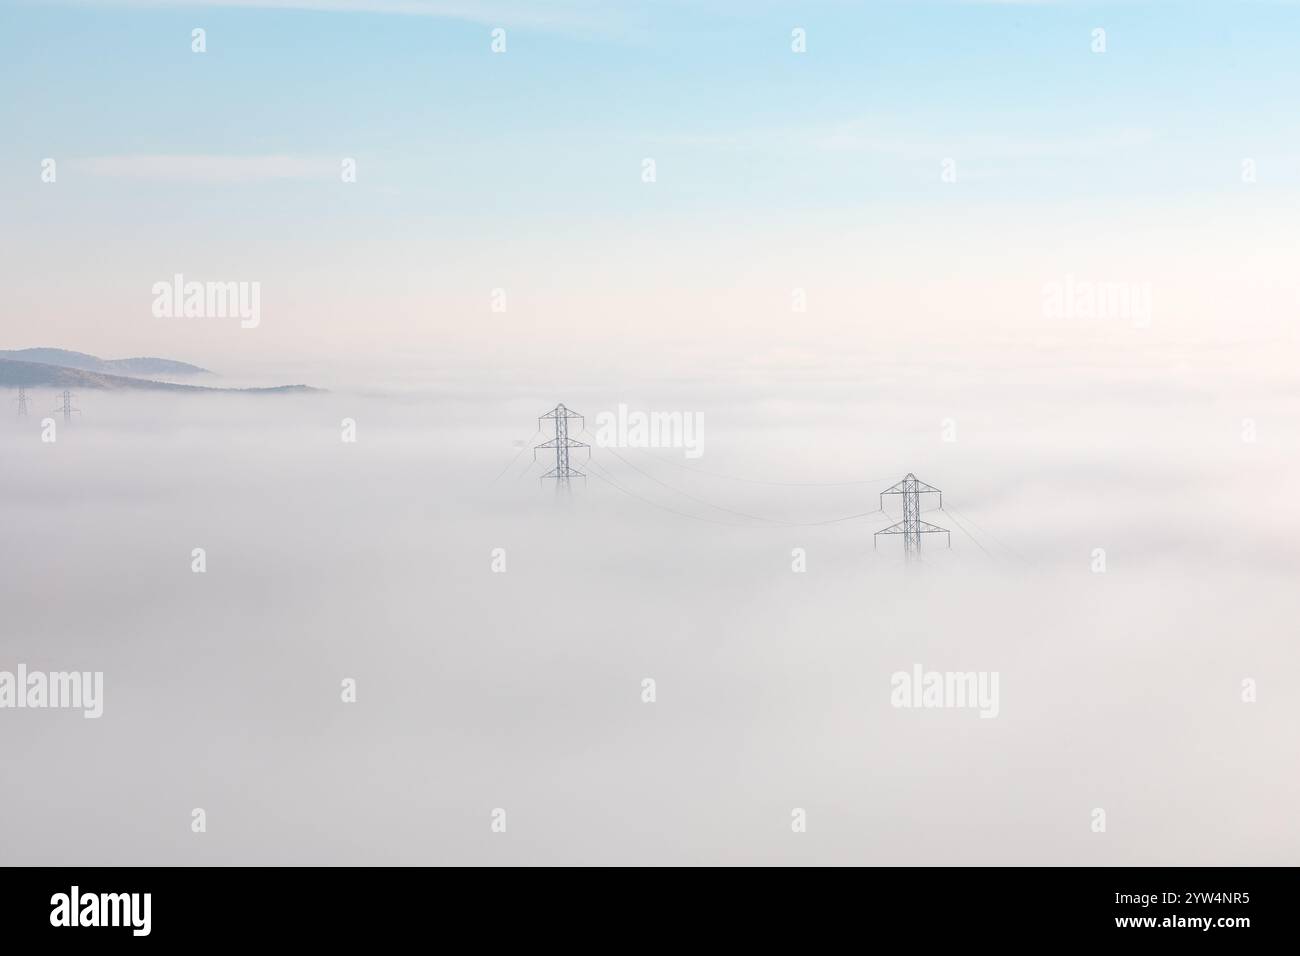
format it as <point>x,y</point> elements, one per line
<point>1123,558</point>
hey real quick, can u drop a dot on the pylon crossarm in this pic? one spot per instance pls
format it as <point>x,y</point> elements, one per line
<point>921,489</point>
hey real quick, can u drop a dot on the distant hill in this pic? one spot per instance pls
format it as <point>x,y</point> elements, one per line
<point>37,374</point>
<point>93,363</point>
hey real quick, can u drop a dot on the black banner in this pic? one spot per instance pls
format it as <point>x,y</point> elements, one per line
<point>333,906</point>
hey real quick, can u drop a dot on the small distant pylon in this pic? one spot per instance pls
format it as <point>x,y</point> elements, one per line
<point>561,443</point>
<point>22,402</point>
<point>911,527</point>
<point>66,407</point>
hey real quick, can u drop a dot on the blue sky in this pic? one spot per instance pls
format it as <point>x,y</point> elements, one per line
<point>232,156</point>
<point>711,89</point>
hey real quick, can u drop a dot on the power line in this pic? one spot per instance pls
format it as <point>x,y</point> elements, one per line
<point>523,447</point>
<point>730,524</point>
<point>772,521</point>
<point>527,468</point>
<point>969,535</point>
<point>865,514</point>
<point>596,472</point>
<point>707,504</point>
<point>758,481</point>
<point>1006,547</point>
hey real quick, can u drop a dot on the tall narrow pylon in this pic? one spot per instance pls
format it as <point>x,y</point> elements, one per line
<point>911,527</point>
<point>66,407</point>
<point>561,443</point>
<point>22,402</point>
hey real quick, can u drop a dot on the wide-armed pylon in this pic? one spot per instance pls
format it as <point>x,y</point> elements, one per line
<point>562,443</point>
<point>911,527</point>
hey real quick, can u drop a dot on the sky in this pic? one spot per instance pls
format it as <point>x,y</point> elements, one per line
<point>523,171</point>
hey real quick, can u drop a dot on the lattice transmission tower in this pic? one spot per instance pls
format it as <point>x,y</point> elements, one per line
<point>66,407</point>
<point>911,527</point>
<point>562,444</point>
<point>22,402</point>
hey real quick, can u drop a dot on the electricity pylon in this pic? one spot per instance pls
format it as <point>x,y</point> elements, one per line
<point>66,407</point>
<point>561,443</point>
<point>22,402</point>
<point>911,527</point>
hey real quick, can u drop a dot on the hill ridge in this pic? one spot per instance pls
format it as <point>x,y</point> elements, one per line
<point>137,365</point>
<point>15,373</point>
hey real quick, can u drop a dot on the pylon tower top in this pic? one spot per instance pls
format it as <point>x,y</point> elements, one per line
<point>562,444</point>
<point>912,527</point>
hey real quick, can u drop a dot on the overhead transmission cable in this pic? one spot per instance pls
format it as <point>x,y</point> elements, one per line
<point>968,534</point>
<point>758,481</point>
<point>707,504</point>
<point>522,448</point>
<point>772,521</point>
<point>597,472</point>
<point>1006,547</point>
